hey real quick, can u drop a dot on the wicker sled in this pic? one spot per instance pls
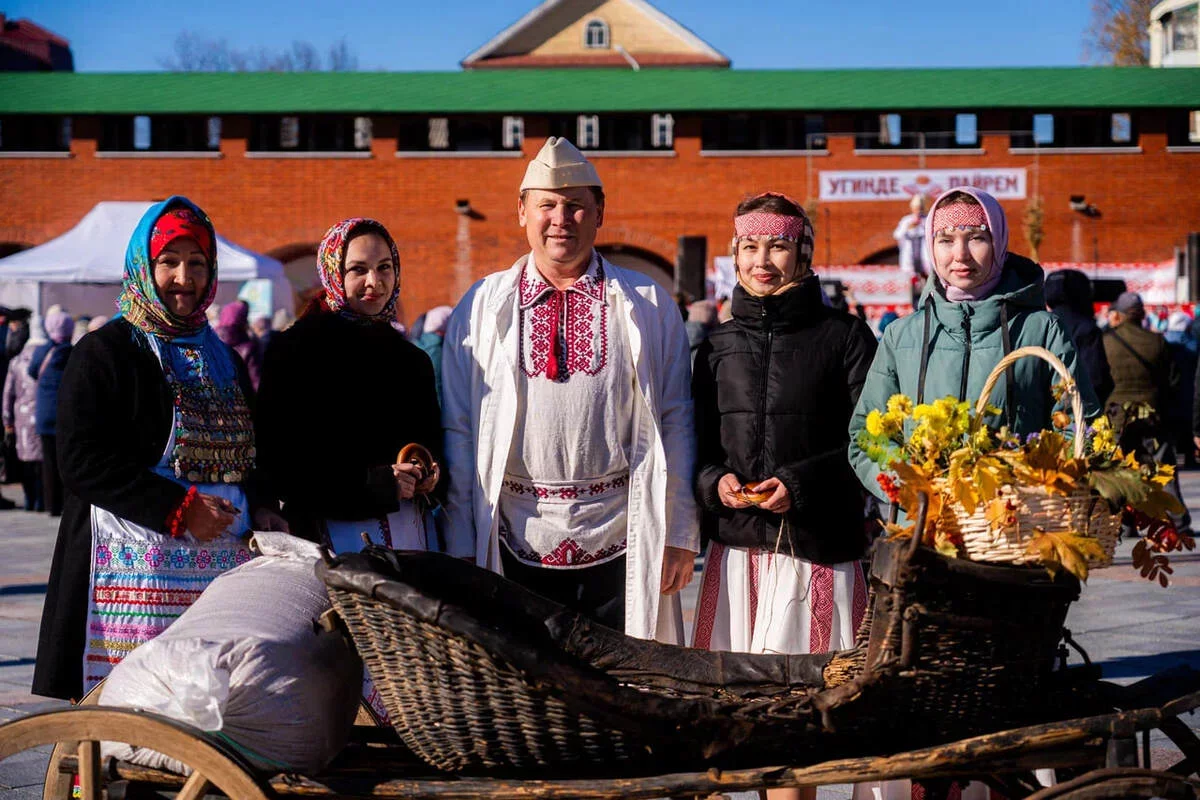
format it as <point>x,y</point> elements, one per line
<point>479,674</point>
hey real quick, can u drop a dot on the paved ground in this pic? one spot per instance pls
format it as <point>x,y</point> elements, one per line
<point>1132,628</point>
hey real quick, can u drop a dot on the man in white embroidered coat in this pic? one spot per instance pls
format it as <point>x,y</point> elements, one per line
<point>568,417</point>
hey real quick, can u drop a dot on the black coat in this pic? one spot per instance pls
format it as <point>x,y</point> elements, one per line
<point>337,401</point>
<point>1068,294</point>
<point>775,388</point>
<point>114,420</point>
<point>1089,341</point>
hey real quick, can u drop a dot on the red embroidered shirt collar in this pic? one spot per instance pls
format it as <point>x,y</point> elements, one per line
<point>565,332</point>
<point>534,287</point>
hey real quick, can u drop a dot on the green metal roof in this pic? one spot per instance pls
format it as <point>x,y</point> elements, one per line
<point>597,90</point>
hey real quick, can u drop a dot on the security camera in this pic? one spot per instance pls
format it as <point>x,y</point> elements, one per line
<point>1087,209</point>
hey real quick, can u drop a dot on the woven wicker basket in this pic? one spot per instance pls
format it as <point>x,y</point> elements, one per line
<point>1081,510</point>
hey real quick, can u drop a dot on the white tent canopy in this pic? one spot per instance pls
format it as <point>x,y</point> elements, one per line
<point>81,270</point>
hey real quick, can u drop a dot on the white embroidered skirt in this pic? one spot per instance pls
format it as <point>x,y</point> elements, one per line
<point>404,529</point>
<point>759,601</point>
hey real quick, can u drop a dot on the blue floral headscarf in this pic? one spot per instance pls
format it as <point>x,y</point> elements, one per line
<point>139,301</point>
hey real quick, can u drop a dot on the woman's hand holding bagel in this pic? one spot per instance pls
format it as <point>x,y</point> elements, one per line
<point>415,470</point>
<point>769,495</point>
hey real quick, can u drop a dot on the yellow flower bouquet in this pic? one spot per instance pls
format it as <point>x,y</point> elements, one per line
<point>1048,498</point>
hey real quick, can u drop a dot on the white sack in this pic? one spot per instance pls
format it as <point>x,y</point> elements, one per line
<point>248,662</point>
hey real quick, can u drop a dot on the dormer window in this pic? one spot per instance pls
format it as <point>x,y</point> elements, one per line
<point>595,35</point>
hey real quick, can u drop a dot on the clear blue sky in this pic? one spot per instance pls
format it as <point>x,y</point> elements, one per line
<point>131,35</point>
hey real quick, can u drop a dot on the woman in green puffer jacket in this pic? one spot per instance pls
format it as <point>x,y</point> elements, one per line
<point>979,303</point>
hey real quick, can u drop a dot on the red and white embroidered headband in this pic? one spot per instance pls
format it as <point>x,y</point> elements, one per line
<point>959,216</point>
<point>762,223</point>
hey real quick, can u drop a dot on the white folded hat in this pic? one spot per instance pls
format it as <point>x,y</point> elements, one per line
<point>559,165</point>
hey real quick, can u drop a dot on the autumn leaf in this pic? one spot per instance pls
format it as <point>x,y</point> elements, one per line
<point>964,492</point>
<point>976,479</point>
<point>1164,475</point>
<point>912,482</point>
<point>1119,486</point>
<point>1157,504</point>
<point>1045,453</point>
<point>1045,464</point>
<point>1152,566</point>
<point>1073,560</point>
<point>1042,548</point>
<point>990,476</point>
<point>1066,550</point>
<point>1001,513</point>
<point>959,476</point>
<point>944,544</point>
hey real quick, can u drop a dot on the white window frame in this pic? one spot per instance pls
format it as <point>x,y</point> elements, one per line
<point>289,133</point>
<point>1045,136</point>
<point>143,132</point>
<point>890,130</point>
<point>212,133</point>
<point>662,130</point>
<point>512,133</point>
<point>603,38</point>
<point>364,132</point>
<point>439,133</point>
<point>963,124</point>
<point>587,131</point>
<point>1175,24</point>
<point>1121,122</point>
<point>815,140</point>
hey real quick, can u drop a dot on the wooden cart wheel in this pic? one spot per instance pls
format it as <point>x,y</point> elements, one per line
<point>214,765</point>
<point>58,784</point>
<point>1121,782</point>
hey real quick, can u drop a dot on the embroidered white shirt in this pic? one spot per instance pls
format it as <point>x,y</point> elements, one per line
<point>564,500</point>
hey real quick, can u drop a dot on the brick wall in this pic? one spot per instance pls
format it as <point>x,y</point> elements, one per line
<point>282,205</point>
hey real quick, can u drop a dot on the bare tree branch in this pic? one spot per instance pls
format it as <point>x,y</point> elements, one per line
<point>196,53</point>
<point>1118,33</point>
<point>340,57</point>
<point>305,58</point>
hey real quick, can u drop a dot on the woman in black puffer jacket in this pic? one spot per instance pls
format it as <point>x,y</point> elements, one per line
<point>775,389</point>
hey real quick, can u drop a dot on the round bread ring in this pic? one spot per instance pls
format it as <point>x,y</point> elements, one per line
<point>750,494</point>
<point>416,454</point>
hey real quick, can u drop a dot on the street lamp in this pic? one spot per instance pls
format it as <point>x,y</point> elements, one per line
<point>1080,206</point>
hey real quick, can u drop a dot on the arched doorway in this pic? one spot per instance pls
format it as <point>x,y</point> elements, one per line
<point>888,255</point>
<point>300,268</point>
<point>8,248</point>
<point>641,260</point>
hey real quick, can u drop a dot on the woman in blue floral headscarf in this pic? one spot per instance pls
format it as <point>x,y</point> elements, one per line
<point>156,449</point>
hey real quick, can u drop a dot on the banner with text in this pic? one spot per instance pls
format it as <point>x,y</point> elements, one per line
<point>901,184</point>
